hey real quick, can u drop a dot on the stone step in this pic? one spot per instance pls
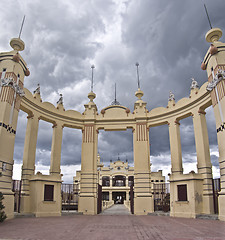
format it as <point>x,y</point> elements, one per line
<point>23,215</point>
<point>67,213</point>
<point>208,216</point>
<point>159,213</point>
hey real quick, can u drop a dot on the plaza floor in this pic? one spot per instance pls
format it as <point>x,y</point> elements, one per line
<point>113,226</point>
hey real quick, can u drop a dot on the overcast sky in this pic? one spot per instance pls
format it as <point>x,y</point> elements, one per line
<point>64,38</point>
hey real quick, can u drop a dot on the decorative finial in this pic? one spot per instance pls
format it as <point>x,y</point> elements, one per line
<point>171,97</point>
<point>115,102</point>
<point>194,83</point>
<point>60,101</point>
<point>208,16</point>
<point>92,76</point>
<point>37,90</point>
<point>137,65</point>
<point>21,26</point>
<point>118,157</point>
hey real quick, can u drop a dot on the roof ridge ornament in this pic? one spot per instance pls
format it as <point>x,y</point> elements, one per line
<point>194,83</point>
<point>37,90</point>
<point>60,101</point>
<point>171,97</point>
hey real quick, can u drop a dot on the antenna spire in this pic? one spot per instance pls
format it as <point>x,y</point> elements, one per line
<point>208,16</point>
<point>115,102</point>
<point>137,65</point>
<point>115,92</point>
<point>21,26</point>
<point>92,76</point>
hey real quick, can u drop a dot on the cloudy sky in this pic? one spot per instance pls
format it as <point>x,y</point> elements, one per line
<point>64,38</point>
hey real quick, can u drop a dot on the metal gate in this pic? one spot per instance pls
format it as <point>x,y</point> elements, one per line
<point>99,201</point>
<point>16,188</point>
<point>132,198</point>
<point>161,194</point>
<point>216,189</point>
<point>70,195</point>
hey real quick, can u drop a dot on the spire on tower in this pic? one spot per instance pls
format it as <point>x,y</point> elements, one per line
<point>115,102</point>
<point>137,65</point>
<point>207,16</point>
<point>21,26</point>
<point>92,76</point>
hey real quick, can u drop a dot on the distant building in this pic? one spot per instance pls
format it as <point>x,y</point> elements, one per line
<point>116,180</point>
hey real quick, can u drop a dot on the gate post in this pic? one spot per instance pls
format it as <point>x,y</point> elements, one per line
<point>12,71</point>
<point>88,183</point>
<point>214,64</point>
<point>143,200</point>
<point>203,158</point>
<point>28,166</point>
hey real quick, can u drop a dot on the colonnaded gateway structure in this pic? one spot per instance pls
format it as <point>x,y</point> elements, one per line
<point>191,193</point>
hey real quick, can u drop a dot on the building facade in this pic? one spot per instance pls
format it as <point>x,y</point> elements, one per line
<point>116,181</point>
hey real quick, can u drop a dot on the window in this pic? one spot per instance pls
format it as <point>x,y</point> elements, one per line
<point>105,196</point>
<point>105,181</point>
<point>48,192</point>
<point>182,192</point>
<point>3,73</point>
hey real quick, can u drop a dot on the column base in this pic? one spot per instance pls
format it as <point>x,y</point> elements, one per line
<point>208,204</point>
<point>8,202</point>
<point>221,201</point>
<point>87,205</point>
<point>143,205</point>
<point>25,203</point>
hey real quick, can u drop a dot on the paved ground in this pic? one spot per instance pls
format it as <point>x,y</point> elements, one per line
<point>106,227</point>
<point>117,209</point>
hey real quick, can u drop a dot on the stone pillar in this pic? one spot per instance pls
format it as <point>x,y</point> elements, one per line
<point>88,183</point>
<point>203,158</point>
<point>110,181</point>
<point>214,64</point>
<point>110,195</point>
<point>56,149</point>
<point>143,200</point>
<point>127,195</point>
<point>127,181</point>
<point>28,167</point>
<point>175,147</point>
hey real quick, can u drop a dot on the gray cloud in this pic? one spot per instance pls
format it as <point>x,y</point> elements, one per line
<point>64,38</point>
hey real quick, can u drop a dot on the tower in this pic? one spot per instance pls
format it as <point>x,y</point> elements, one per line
<point>13,69</point>
<point>214,64</point>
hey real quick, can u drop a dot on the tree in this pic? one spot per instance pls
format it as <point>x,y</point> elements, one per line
<point>2,213</point>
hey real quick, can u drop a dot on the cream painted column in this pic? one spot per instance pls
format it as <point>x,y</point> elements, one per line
<point>143,201</point>
<point>110,181</point>
<point>175,147</point>
<point>110,195</point>
<point>127,181</point>
<point>214,61</point>
<point>88,183</point>
<point>127,195</point>
<point>203,158</point>
<point>56,149</point>
<point>29,154</point>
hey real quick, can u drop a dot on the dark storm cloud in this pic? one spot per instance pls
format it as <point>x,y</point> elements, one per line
<point>63,38</point>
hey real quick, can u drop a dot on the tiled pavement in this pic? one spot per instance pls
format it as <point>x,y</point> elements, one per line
<point>107,227</point>
<point>117,209</point>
